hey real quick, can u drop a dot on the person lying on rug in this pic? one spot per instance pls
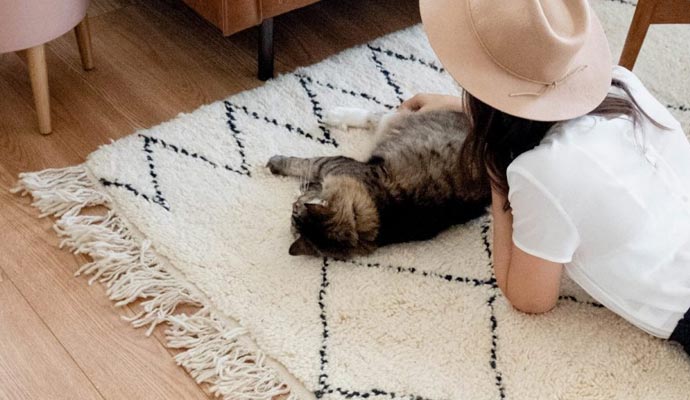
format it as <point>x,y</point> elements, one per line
<point>587,169</point>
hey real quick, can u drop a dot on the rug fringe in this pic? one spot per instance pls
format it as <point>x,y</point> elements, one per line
<point>131,270</point>
<point>58,191</point>
<point>229,369</point>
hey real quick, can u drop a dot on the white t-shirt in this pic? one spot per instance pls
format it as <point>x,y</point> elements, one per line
<point>610,201</point>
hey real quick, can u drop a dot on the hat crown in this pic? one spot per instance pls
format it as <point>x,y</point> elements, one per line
<point>532,39</point>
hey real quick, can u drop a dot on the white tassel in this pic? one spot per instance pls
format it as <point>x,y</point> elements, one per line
<point>216,356</point>
<point>131,270</point>
<point>59,191</point>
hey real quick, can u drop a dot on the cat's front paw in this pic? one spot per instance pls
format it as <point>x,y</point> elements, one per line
<point>344,117</point>
<point>276,165</point>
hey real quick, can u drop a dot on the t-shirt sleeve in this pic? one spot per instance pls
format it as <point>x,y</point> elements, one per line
<point>541,227</point>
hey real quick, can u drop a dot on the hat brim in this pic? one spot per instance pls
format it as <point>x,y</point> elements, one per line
<point>448,28</point>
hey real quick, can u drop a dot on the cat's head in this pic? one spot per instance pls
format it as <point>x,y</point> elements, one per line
<point>336,218</point>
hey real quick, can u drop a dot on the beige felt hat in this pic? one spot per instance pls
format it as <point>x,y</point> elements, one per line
<point>545,60</point>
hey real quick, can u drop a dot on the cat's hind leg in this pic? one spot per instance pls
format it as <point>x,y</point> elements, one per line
<point>352,117</point>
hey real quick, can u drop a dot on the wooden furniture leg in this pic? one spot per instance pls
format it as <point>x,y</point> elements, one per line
<point>84,41</point>
<point>266,49</point>
<point>38,73</point>
<point>637,32</point>
<point>651,12</point>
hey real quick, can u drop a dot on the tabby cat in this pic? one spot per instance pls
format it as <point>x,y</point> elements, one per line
<point>409,189</point>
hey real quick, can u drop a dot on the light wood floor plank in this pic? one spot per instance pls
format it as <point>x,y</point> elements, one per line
<point>100,7</point>
<point>33,364</point>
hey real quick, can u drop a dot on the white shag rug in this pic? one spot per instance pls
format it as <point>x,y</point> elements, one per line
<point>196,219</point>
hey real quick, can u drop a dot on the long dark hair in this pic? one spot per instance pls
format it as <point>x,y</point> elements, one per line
<point>495,138</point>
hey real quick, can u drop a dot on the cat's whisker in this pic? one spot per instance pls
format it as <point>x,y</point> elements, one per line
<point>304,179</point>
<point>302,184</point>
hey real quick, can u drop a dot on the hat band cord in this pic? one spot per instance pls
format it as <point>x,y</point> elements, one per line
<point>553,84</point>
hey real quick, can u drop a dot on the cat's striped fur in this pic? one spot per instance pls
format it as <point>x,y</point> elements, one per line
<point>409,189</point>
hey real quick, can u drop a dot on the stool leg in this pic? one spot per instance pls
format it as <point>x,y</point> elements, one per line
<point>266,49</point>
<point>637,32</point>
<point>84,41</point>
<point>38,73</point>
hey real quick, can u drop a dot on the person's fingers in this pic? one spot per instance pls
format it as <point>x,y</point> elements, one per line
<point>408,104</point>
<point>414,103</point>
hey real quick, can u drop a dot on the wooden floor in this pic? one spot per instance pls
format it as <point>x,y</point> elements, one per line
<point>59,337</point>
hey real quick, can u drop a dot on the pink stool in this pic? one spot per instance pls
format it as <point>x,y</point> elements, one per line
<point>26,25</point>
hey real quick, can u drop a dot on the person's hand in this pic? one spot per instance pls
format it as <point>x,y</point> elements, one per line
<point>429,102</point>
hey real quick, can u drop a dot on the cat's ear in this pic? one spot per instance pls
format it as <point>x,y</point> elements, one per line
<point>302,247</point>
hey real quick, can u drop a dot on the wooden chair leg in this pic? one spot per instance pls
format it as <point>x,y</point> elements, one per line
<point>38,73</point>
<point>266,49</point>
<point>644,13</point>
<point>84,41</point>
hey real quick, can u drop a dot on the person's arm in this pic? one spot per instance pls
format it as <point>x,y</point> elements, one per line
<point>530,283</point>
<point>429,102</point>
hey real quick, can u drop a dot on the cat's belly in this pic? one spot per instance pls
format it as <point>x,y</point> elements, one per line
<point>423,219</point>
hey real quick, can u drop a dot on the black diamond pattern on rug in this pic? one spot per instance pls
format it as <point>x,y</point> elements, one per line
<point>149,142</point>
<point>325,385</point>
